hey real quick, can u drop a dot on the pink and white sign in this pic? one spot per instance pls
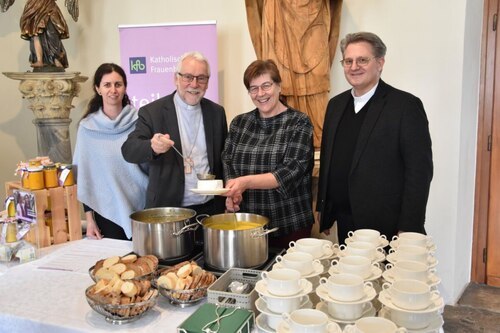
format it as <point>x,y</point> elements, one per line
<point>149,56</point>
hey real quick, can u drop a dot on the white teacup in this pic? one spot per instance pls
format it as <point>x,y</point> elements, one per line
<point>210,184</point>
<point>411,320</point>
<point>410,294</point>
<point>412,238</point>
<point>411,253</point>
<point>308,321</point>
<point>348,311</point>
<point>314,246</point>
<point>373,325</point>
<point>345,287</point>
<point>279,305</point>
<point>356,265</point>
<point>367,235</point>
<point>360,248</point>
<point>283,281</point>
<point>300,261</point>
<point>273,320</point>
<point>410,270</point>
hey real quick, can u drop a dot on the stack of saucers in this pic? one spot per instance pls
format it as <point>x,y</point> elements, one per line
<point>280,290</point>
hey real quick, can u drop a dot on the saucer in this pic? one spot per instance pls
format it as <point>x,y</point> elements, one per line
<point>318,268</point>
<point>434,326</point>
<point>379,256</point>
<point>436,304</point>
<point>432,280</point>
<point>383,242</point>
<point>375,274</point>
<point>323,307</point>
<point>431,261</point>
<point>215,191</point>
<point>322,292</point>
<point>261,305</point>
<point>305,288</point>
<point>261,323</point>
<point>329,253</point>
<point>284,328</point>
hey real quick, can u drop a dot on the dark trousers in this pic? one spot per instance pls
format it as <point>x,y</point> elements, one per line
<point>345,223</point>
<point>109,229</point>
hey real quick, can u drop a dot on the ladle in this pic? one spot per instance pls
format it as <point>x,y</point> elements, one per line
<point>200,176</point>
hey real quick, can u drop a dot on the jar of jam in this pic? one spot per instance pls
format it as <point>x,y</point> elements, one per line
<point>66,177</point>
<point>35,177</point>
<point>25,183</point>
<point>50,176</point>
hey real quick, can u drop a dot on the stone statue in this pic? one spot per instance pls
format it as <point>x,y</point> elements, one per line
<point>301,37</point>
<point>43,24</point>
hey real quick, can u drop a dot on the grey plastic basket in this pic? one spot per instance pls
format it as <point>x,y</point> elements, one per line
<point>218,294</point>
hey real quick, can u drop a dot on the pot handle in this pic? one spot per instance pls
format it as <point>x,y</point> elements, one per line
<point>186,228</point>
<point>257,234</point>
<point>201,216</point>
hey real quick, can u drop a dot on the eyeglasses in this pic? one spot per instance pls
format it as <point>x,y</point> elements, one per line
<point>188,78</point>
<point>361,61</point>
<point>266,86</point>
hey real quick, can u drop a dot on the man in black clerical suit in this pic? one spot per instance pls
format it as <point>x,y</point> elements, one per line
<point>376,157</point>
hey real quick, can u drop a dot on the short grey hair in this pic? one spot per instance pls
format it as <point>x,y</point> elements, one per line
<point>379,48</point>
<point>195,55</point>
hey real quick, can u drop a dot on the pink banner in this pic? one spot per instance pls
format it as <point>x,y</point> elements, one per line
<point>149,55</point>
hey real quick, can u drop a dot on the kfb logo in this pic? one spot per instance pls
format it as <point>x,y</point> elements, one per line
<point>137,65</point>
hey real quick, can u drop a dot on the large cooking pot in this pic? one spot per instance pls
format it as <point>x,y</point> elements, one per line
<point>164,232</point>
<point>234,240</point>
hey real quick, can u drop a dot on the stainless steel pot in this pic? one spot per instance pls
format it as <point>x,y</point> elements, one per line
<point>164,232</point>
<point>226,247</point>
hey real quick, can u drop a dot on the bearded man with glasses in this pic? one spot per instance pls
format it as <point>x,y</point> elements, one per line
<point>376,156</point>
<point>179,136</point>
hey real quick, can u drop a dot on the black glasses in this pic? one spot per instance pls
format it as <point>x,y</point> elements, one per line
<point>361,61</point>
<point>266,86</point>
<point>188,78</point>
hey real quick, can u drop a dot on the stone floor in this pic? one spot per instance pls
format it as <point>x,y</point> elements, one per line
<point>478,310</point>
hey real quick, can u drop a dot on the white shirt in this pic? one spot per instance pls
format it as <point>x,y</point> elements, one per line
<point>361,101</point>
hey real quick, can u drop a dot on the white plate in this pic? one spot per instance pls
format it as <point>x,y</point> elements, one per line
<point>379,256</point>
<point>283,327</point>
<point>322,292</point>
<point>375,274</point>
<point>323,307</point>
<point>305,288</point>
<point>431,247</point>
<point>217,191</point>
<point>393,258</point>
<point>261,323</point>
<point>261,305</point>
<point>329,253</point>
<point>437,303</point>
<point>434,326</point>
<point>432,280</point>
<point>383,242</point>
<point>318,269</point>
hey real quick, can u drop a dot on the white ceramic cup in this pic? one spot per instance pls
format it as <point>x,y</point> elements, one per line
<point>412,238</point>
<point>345,287</point>
<point>283,281</point>
<point>301,261</point>
<point>410,294</point>
<point>279,305</point>
<point>273,320</point>
<point>412,253</point>
<point>356,265</point>
<point>412,320</point>
<point>210,184</point>
<point>367,235</point>
<point>307,321</point>
<point>410,270</point>
<point>347,311</point>
<point>373,325</point>
<point>360,248</point>
<point>314,246</point>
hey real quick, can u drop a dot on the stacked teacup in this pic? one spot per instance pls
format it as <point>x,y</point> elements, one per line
<point>307,321</point>
<point>280,290</point>
<point>409,296</point>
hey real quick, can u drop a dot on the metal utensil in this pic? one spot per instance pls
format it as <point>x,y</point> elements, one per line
<point>200,176</point>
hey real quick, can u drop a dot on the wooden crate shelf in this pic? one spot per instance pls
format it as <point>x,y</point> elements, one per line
<point>66,224</point>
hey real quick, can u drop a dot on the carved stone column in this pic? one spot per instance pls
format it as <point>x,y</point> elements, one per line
<point>49,96</point>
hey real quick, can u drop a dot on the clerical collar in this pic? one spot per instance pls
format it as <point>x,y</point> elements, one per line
<point>360,101</point>
<point>183,105</point>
